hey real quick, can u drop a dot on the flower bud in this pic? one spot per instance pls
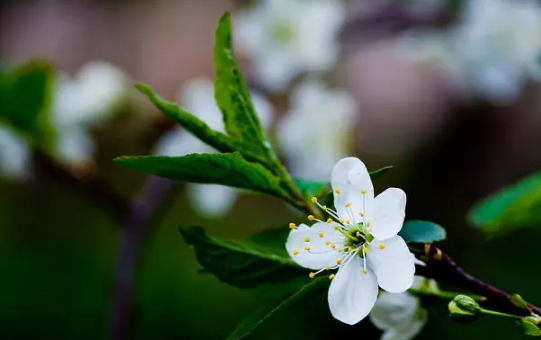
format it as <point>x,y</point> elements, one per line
<point>533,319</point>
<point>464,308</point>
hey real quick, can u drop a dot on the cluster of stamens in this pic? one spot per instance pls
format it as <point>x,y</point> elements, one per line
<point>356,234</point>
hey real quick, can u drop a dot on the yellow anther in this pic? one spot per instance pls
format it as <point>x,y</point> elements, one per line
<point>295,252</point>
<point>311,217</point>
<point>381,246</point>
<point>327,268</point>
<point>306,239</point>
<point>337,191</point>
<point>340,250</point>
<point>363,192</point>
<point>291,225</point>
<point>324,207</point>
<point>306,248</point>
<point>358,234</point>
<point>336,227</point>
<point>368,224</point>
<point>365,250</point>
<point>341,221</point>
<point>331,276</point>
<point>329,220</point>
<point>339,261</point>
<point>312,275</point>
<point>365,271</point>
<point>348,205</point>
<point>349,250</point>
<point>320,234</point>
<point>348,221</point>
<point>333,246</point>
<point>361,213</point>
<point>327,242</point>
<point>314,200</point>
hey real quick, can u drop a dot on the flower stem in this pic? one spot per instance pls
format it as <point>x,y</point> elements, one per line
<point>500,314</point>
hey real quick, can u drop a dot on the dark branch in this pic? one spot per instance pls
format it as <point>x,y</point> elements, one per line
<point>142,210</point>
<point>442,268</point>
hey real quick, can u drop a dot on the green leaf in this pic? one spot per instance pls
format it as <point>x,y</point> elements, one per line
<point>229,169</point>
<point>233,98</point>
<point>188,121</point>
<point>422,232</point>
<point>253,320</point>
<point>311,189</point>
<point>516,206</point>
<point>378,173</point>
<point>529,328</point>
<point>244,264</point>
<point>25,99</point>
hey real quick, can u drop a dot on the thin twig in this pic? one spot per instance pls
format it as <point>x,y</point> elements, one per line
<point>441,267</point>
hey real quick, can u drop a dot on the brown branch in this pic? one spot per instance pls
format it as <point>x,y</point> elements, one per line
<point>441,267</point>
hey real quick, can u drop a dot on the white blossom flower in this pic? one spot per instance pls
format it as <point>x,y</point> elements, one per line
<point>498,41</point>
<point>198,98</point>
<point>316,111</point>
<point>399,315</point>
<point>87,99</point>
<point>359,239</point>
<point>14,155</point>
<point>284,38</point>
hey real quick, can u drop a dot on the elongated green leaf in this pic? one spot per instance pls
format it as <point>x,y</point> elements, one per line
<point>243,264</point>
<point>253,320</point>
<point>312,188</point>
<point>25,98</point>
<point>379,172</point>
<point>188,121</point>
<point>422,232</point>
<point>516,206</point>
<point>233,98</point>
<point>229,169</point>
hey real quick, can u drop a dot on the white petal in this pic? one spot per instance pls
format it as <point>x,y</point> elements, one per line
<point>212,200</point>
<point>352,293</point>
<point>393,311</point>
<point>410,330</point>
<point>351,177</point>
<point>74,145</point>
<point>320,254</point>
<point>388,213</point>
<point>15,154</point>
<point>393,264</point>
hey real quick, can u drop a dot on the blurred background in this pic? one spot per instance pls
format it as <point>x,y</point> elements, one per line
<point>445,91</point>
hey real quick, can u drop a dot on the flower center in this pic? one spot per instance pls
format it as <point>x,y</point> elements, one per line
<point>282,32</point>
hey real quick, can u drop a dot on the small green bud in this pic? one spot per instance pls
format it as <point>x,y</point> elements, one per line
<point>464,308</point>
<point>533,319</point>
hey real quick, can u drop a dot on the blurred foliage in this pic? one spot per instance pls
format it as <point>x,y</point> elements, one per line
<point>25,99</point>
<point>515,206</point>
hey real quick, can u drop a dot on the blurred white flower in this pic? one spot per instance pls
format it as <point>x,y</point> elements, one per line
<point>399,315</point>
<point>14,155</point>
<point>197,97</point>
<point>499,42</point>
<point>284,38</point>
<point>316,131</point>
<point>87,99</point>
